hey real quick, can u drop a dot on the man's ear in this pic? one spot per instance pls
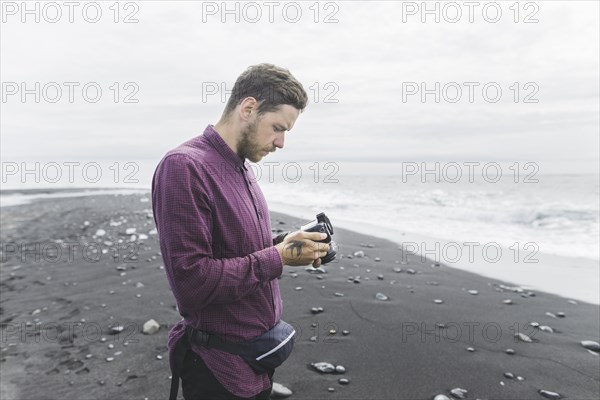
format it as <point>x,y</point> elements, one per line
<point>248,106</point>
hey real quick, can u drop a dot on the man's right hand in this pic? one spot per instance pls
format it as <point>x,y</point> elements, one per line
<point>300,248</point>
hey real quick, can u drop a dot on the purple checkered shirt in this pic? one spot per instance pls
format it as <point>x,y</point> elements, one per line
<point>216,242</point>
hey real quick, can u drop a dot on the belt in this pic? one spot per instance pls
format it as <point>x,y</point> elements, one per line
<point>204,339</point>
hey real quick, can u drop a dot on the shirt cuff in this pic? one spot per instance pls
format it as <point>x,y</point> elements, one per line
<point>270,263</point>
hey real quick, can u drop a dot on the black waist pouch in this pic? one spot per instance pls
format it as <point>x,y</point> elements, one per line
<point>269,350</point>
<point>262,353</point>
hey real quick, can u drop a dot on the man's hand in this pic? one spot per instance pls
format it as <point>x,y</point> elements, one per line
<point>299,248</point>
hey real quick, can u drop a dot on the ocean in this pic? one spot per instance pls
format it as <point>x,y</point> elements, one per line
<point>559,214</point>
<point>542,233</point>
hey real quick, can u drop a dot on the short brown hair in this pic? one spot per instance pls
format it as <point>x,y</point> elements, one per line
<point>270,85</point>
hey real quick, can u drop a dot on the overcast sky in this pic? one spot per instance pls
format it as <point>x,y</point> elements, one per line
<point>361,71</point>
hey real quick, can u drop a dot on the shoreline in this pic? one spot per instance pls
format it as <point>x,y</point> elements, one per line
<point>573,277</point>
<point>14,197</point>
<point>580,280</point>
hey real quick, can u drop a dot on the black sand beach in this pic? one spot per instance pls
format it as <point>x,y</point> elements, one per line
<point>58,306</point>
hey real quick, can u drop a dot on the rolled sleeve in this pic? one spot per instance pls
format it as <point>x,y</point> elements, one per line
<point>271,265</point>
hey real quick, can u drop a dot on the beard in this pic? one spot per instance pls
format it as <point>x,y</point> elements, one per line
<point>247,146</point>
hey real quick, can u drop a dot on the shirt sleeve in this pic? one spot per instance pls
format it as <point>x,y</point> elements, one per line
<point>183,213</point>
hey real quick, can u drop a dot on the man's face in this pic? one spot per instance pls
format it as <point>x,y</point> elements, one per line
<point>266,133</point>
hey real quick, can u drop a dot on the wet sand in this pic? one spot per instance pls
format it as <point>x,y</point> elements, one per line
<point>60,300</point>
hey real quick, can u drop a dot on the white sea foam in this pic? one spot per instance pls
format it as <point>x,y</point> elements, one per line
<point>560,216</point>
<point>19,198</point>
<point>547,234</point>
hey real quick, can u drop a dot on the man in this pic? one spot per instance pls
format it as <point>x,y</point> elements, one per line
<point>221,259</point>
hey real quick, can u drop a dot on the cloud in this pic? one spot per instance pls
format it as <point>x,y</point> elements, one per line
<point>355,72</point>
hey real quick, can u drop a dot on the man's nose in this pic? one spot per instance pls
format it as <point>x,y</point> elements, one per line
<point>279,142</point>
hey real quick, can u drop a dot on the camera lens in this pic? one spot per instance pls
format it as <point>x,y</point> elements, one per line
<point>330,256</point>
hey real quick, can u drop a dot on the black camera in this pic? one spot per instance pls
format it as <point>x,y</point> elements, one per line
<point>322,224</point>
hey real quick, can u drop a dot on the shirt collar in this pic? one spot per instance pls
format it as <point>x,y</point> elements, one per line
<point>219,144</point>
